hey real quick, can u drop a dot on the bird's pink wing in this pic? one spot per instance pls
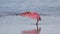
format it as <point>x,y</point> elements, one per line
<point>33,15</point>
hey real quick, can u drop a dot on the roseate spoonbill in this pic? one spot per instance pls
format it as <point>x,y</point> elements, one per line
<point>33,15</point>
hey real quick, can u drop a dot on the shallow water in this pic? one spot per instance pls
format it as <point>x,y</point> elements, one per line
<point>17,24</point>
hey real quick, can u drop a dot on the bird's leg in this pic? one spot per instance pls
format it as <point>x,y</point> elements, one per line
<point>37,22</point>
<point>37,25</point>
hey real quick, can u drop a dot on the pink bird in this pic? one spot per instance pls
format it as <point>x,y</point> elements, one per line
<point>33,15</point>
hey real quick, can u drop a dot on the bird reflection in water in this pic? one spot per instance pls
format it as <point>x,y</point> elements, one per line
<point>34,31</point>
